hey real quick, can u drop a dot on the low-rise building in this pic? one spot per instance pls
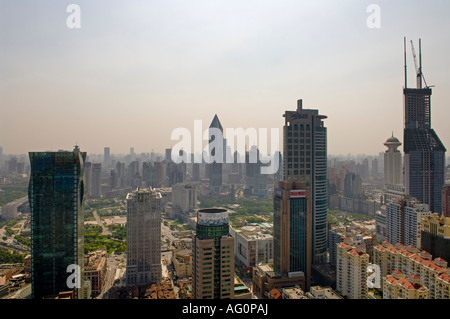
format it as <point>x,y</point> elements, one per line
<point>252,245</point>
<point>182,263</point>
<point>95,270</point>
<point>265,279</point>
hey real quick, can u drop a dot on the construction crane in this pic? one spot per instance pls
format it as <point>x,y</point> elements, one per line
<point>419,73</point>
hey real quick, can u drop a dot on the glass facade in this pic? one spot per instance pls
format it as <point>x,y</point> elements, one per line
<point>305,160</point>
<point>56,191</point>
<point>298,234</point>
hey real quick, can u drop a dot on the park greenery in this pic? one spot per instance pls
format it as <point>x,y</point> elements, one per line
<point>7,257</point>
<point>9,193</point>
<point>94,240</point>
<point>250,210</point>
<point>337,216</point>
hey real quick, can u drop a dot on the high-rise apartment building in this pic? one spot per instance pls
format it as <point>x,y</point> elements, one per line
<point>212,256</point>
<point>96,180</point>
<point>433,273</point>
<point>292,230</point>
<point>393,162</point>
<point>56,193</point>
<point>404,221</point>
<point>424,165</point>
<point>351,270</point>
<point>305,160</point>
<point>143,237</point>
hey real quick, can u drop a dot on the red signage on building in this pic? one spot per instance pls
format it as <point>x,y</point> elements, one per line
<point>298,193</point>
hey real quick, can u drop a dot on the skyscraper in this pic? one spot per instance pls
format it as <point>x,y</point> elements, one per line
<point>212,256</point>
<point>292,230</point>
<point>424,151</point>
<point>392,162</point>
<point>96,180</point>
<point>106,156</point>
<point>305,160</point>
<point>87,178</point>
<point>143,237</point>
<point>56,191</point>
<point>215,168</point>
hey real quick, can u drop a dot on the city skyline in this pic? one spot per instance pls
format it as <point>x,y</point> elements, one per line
<point>146,69</point>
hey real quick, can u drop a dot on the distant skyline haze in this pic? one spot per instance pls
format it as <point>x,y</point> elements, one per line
<point>134,71</point>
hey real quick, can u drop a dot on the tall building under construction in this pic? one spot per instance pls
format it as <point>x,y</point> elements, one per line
<point>424,162</point>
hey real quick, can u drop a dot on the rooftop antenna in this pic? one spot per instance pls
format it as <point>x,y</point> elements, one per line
<point>420,65</point>
<point>404,51</point>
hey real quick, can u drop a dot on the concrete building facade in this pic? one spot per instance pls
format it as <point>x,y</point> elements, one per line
<point>143,237</point>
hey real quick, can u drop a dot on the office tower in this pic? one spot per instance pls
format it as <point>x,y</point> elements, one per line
<point>134,176</point>
<point>12,165</point>
<point>106,156</point>
<point>435,235</point>
<point>196,172</point>
<point>424,152</point>
<point>215,168</point>
<point>143,237</point>
<point>305,160</point>
<point>352,185</point>
<point>132,154</point>
<point>176,173</point>
<point>96,181</point>
<point>364,169</point>
<point>404,221</point>
<point>212,256</point>
<point>392,162</point>
<point>374,168</point>
<point>87,178</point>
<point>351,270</point>
<point>55,194</point>
<point>113,180</point>
<point>150,174</point>
<point>434,273</point>
<point>292,225</point>
<point>254,180</point>
<point>121,176</point>
<point>446,201</point>
<point>185,197</point>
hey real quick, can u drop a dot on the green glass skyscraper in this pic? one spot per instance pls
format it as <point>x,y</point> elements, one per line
<point>55,193</point>
<point>292,230</point>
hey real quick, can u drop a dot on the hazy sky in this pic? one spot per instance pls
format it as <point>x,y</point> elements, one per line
<point>136,70</point>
